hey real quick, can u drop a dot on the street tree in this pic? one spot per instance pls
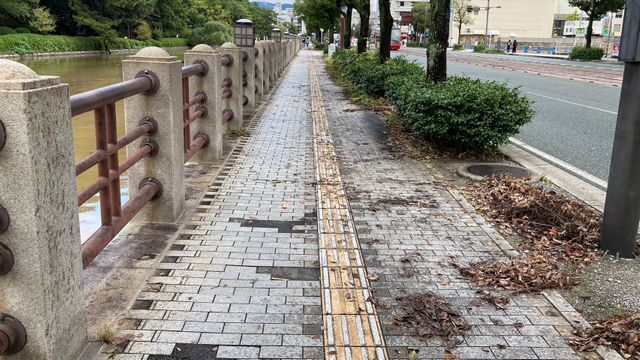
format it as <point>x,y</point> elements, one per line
<point>438,40</point>
<point>91,15</point>
<point>318,14</point>
<point>420,16</point>
<point>363,7</point>
<point>460,14</point>
<point>596,9</point>
<point>386,24</point>
<point>348,20</point>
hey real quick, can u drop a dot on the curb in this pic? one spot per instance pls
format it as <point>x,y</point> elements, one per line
<point>582,175</point>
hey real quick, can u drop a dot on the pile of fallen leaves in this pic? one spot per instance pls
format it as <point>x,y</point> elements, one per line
<point>428,316</point>
<point>529,274</point>
<point>550,223</point>
<point>620,333</point>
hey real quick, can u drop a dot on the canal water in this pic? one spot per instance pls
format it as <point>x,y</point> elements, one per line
<point>83,74</point>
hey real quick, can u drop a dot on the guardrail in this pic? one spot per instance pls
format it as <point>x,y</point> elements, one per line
<point>174,113</point>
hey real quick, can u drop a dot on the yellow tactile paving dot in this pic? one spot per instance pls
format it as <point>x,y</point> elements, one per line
<point>355,301</point>
<point>351,326</point>
<point>344,277</point>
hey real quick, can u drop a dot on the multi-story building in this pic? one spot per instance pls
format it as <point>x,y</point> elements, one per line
<point>401,11</point>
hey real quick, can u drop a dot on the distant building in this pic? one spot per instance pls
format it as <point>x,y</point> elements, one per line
<point>527,19</point>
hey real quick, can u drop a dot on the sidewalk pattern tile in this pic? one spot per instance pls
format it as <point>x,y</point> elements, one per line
<point>313,231</point>
<point>242,281</point>
<point>351,325</point>
<point>412,228</point>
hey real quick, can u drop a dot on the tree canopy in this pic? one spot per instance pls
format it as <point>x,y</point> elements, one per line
<point>141,19</point>
<point>596,9</point>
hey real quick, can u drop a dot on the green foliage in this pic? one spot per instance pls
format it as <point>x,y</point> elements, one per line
<point>586,54</point>
<point>420,18</point>
<point>15,13</point>
<point>458,47</point>
<point>21,30</point>
<point>22,44</point>
<point>143,31</point>
<point>480,48</point>
<point>417,44</point>
<point>460,113</point>
<point>4,30</point>
<point>213,33</point>
<point>318,14</point>
<point>42,21</point>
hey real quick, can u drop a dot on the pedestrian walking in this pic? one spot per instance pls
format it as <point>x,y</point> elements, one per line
<point>508,46</point>
<point>514,47</point>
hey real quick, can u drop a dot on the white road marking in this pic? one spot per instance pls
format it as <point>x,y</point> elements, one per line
<point>573,103</point>
<point>593,180</point>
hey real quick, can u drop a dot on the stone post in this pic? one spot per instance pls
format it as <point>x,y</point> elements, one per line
<point>232,73</point>
<point>273,57</point>
<point>165,107</point>
<point>259,76</point>
<point>248,80</point>
<point>266,66</point>
<point>212,124</point>
<point>42,287</point>
<point>283,60</point>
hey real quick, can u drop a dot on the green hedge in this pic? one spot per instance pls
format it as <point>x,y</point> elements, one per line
<point>6,30</point>
<point>23,44</point>
<point>460,114</point>
<point>581,53</point>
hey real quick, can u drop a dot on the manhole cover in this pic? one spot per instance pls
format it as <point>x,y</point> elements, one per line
<point>480,171</point>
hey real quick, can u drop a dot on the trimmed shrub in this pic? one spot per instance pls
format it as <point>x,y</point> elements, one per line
<point>465,114</point>
<point>584,54</point>
<point>458,47</point>
<point>172,42</point>
<point>461,114</point>
<point>4,30</point>
<point>22,30</point>
<point>480,48</point>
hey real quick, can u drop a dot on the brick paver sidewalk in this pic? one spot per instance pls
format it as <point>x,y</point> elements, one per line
<point>276,263</point>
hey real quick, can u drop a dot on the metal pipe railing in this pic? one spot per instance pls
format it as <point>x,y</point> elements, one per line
<point>145,82</point>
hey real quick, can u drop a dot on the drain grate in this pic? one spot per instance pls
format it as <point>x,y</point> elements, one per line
<point>481,170</point>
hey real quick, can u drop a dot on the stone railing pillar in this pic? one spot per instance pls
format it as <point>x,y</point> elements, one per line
<point>212,124</point>
<point>248,80</point>
<point>266,66</point>
<point>273,60</point>
<point>259,75</point>
<point>165,108</point>
<point>231,75</point>
<point>41,278</point>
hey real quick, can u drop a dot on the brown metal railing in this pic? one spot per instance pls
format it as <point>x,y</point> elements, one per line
<point>200,139</point>
<point>114,215</point>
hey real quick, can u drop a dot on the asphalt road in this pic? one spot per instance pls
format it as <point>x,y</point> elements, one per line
<point>574,122</point>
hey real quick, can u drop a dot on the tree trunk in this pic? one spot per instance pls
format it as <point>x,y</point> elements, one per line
<point>438,41</point>
<point>459,31</point>
<point>347,28</point>
<point>364,30</point>
<point>386,23</point>
<point>589,32</point>
<point>330,34</point>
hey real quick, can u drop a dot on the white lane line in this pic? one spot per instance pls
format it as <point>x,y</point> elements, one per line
<point>573,103</point>
<point>591,179</point>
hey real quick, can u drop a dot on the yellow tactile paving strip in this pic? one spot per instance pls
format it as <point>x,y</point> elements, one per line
<point>351,325</point>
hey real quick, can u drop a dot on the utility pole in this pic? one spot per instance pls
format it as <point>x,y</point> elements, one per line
<point>486,28</point>
<point>622,205</point>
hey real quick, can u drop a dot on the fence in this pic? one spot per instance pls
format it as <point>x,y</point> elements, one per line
<point>174,113</point>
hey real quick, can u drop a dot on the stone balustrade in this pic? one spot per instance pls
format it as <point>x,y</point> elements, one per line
<point>42,314</point>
